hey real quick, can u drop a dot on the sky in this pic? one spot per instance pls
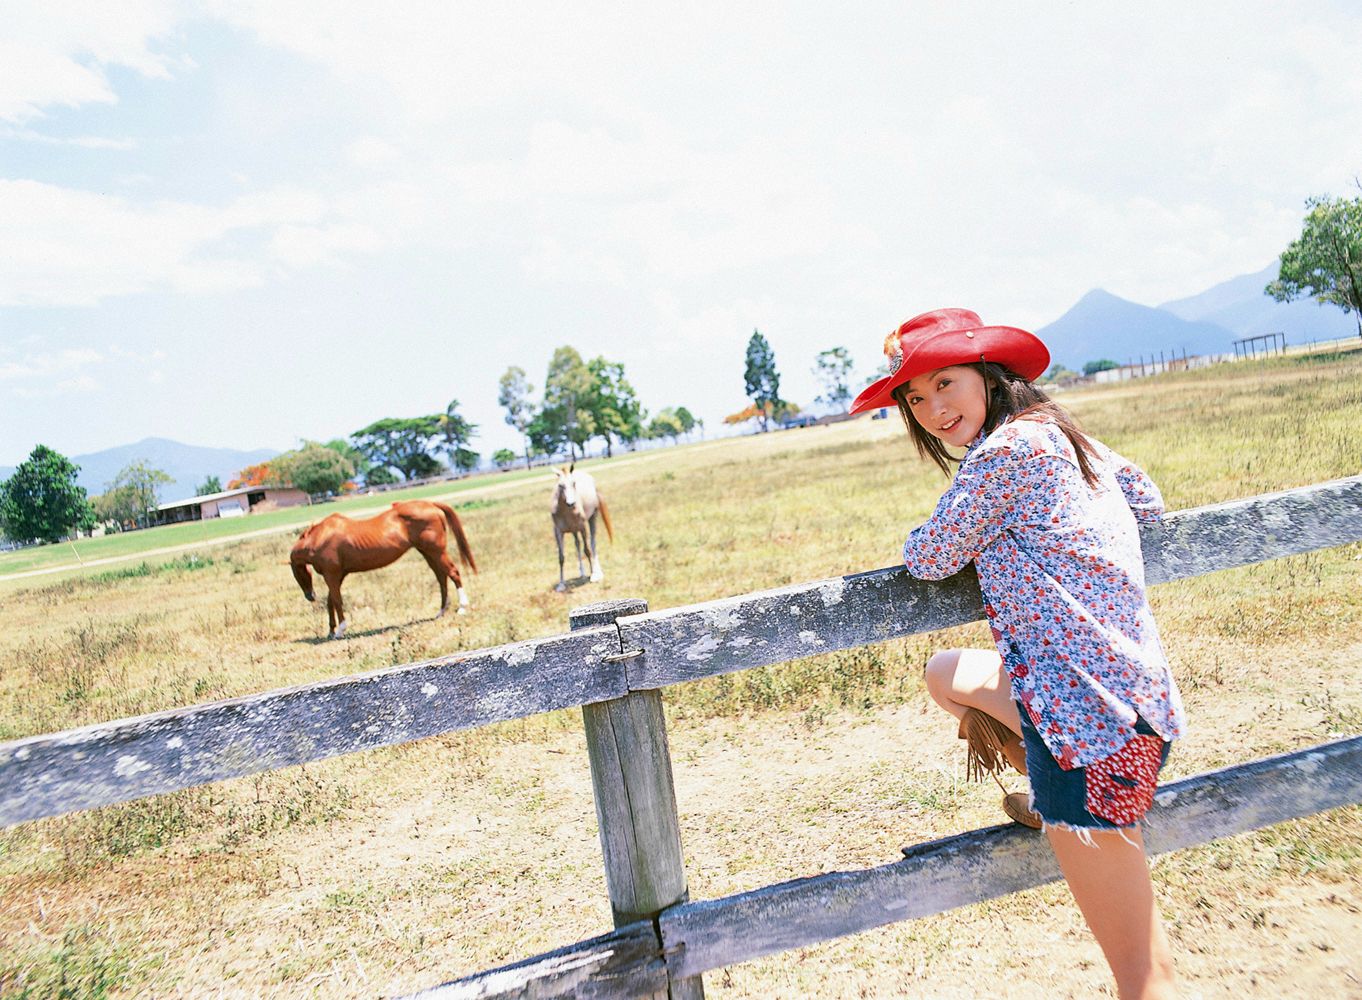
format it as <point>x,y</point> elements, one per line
<point>244,224</point>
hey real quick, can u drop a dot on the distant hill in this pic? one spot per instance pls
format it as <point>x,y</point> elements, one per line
<point>187,464</point>
<point>1102,325</point>
<point>1241,305</point>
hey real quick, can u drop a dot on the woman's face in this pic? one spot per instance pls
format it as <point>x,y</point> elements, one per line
<point>948,404</point>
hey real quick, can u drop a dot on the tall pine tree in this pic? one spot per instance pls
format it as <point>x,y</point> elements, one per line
<point>761,379</point>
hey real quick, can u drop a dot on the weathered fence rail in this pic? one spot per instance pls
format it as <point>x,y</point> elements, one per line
<point>610,665</point>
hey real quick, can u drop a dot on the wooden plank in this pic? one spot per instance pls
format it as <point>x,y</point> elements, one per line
<point>618,966</point>
<point>773,626</point>
<point>131,758</point>
<point>787,623</point>
<point>983,864</point>
<point>1241,532</point>
<point>631,779</point>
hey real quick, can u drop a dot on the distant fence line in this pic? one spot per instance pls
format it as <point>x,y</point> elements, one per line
<point>613,665</point>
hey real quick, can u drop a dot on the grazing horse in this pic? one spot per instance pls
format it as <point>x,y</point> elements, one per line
<point>574,508</point>
<point>338,546</point>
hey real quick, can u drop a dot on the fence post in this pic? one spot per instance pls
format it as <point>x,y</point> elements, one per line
<point>631,775</point>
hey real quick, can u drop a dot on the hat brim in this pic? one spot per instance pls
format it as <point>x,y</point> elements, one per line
<point>1017,350</point>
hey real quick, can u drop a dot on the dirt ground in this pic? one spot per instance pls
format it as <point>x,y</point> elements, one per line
<point>497,859</point>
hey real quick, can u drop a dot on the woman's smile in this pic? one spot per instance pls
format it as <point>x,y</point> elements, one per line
<point>950,403</point>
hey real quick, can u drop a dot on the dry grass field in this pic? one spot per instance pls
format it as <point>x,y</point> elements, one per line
<point>389,871</point>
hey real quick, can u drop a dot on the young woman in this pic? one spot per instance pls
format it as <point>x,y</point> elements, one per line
<point>1078,694</point>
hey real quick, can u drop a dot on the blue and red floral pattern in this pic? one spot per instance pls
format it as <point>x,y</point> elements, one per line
<point>1062,577</point>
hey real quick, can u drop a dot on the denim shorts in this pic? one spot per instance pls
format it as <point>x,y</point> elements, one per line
<point>1109,794</point>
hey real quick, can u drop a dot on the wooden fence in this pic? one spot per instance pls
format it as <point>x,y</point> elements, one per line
<point>613,664</point>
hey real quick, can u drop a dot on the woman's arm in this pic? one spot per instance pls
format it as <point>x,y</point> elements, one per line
<point>992,491</point>
<point>1141,494</point>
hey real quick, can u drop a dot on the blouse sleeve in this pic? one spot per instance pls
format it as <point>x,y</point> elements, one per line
<point>1141,494</point>
<point>991,492</point>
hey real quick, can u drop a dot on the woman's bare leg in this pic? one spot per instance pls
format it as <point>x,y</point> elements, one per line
<point>960,679</point>
<point>1110,882</point>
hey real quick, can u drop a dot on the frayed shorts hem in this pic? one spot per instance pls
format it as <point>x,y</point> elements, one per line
<point>1060,797</point>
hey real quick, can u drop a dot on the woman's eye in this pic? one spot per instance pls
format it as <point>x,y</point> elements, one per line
<point>943,383</point>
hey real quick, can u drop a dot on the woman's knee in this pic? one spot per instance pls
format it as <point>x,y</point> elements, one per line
<point>940,673</point>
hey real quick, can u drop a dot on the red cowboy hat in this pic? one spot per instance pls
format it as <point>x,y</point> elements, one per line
<point>945,337</point>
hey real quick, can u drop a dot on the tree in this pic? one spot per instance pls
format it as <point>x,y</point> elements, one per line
<point>401,444</point>
<point>688,422</point>
<point>109,509</point>
<point>260,474</point>
<point>314,468</point>
<point>749,412</point>
<point>1104,364</point>
<point>547,436</point>
<point>614,406</point>
<point>831,368</point>
<point>349,452</point>
<point>380,475</point>
<point>514,397</point>
<point>566,416</point>
<point>1058,372</point>
<point>503,457</point>
<point>40,501</point>
<point>135,491</point>
<point>665,424</point>
<point>424,465</point>
<point>210,485</point>
<point>1326,260</point>
<point>455,433</point>
<point>761,379</point>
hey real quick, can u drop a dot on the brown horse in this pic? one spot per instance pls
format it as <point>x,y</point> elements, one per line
<point>574,509</point>
<point>338,546</point>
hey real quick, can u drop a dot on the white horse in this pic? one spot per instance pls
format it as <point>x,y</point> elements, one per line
<point>575,506</point>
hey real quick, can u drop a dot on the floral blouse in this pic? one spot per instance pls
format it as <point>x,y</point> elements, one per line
<point>1062,577</point>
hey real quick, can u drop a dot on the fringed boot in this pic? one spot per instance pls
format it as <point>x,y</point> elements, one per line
<point>991,746</point>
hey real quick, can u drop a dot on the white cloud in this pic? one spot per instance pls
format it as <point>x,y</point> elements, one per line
<point>56,53</point>
<point>81,383</point>
<point>80,142</point>
<point>48,374</point>
<point>64,247</point>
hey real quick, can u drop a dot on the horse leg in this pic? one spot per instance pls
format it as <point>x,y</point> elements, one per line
<point>436,560</point>
<point>597,575</point>
<point>558,537</point>
<point>335,607</point>
<point>577,539</point>
<point>446,569</point>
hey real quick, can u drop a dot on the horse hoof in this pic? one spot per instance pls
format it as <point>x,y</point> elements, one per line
<point>462,611</point>
<point>597,577</point>
<point>442,612</point>
<point>340,630</point>
<point>561,587</point>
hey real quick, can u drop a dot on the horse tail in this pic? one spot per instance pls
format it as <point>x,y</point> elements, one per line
<point>456,526</point>
<point>605,516</point>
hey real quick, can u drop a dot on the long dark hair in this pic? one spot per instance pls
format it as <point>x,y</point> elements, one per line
<point>1007,394</point>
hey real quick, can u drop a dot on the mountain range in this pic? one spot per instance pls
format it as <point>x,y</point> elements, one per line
<point>1103,325</point>
<point>187,465</point>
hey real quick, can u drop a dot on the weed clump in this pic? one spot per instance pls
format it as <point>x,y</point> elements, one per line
<point>86,965</point>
